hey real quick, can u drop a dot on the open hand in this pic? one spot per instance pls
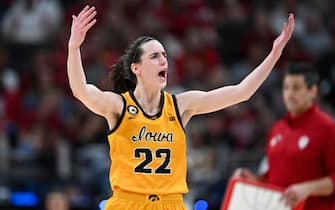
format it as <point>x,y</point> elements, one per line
<point>80,25</point>
<point>285,35</point>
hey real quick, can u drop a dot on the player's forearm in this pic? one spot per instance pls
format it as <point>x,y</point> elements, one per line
<point>75,71</point>
<point>254,80</point>
<point>321,187</point>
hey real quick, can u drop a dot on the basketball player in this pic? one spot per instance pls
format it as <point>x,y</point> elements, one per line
<point>147,136</point>
<point>301,145</point>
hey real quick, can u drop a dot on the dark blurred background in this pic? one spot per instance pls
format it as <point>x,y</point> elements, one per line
<point>54,152</point>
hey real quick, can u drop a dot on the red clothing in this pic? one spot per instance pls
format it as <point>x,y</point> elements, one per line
<point>303,149</point>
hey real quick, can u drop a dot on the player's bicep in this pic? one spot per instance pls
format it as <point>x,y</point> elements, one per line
<point>101,102</point>
<point>202,102</point>
<point>188,104</point>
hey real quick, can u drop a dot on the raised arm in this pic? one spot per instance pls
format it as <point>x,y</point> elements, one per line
<point>200,102</point>
<point>100,102</point>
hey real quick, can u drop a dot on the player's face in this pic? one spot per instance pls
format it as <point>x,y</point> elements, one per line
<point>297,96</point>
<point>153,66</point>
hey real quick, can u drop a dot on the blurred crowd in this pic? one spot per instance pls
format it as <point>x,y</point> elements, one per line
<point>50,143</point>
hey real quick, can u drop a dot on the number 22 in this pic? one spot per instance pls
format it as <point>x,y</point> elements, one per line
<point>148,157</point>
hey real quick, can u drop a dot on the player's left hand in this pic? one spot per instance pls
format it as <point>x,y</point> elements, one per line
<point>295,194</point>
<point>285,35</point>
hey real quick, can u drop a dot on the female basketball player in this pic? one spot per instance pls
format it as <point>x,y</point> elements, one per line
<point>147,136</point>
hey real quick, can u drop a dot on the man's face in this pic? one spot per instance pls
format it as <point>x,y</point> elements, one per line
<point>297,97</point>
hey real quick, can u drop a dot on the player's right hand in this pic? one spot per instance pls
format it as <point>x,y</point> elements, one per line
<point>80,25</point>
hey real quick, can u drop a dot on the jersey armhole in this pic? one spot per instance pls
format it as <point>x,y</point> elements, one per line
<point>177,112</point>
<point>119,120</point>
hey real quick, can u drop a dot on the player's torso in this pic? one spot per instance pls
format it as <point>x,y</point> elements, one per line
<point>149,152</point>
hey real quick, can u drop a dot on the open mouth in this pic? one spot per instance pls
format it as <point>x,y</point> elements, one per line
<point>162,74</point>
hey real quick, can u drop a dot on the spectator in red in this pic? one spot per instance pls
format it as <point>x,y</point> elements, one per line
<point>301,145</point>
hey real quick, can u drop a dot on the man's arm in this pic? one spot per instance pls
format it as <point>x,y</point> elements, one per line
<point>298,192</point>
<point>319,187</point>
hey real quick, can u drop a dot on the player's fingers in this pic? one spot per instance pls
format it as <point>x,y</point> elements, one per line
<point>73,18</point>
<point>291,19</point>
<point>284,27</point>
<point>87,13</point>
<point>291,24</point>
<point>89,18</point>
<point>287,32</point>
<point>283,32</point>
<point>89,25</point>
<point>83,11</point>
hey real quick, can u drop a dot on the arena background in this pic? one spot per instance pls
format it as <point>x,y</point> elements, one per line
<point>52,148</point>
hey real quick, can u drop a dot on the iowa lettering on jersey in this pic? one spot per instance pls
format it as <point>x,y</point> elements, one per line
<point>144,135</point>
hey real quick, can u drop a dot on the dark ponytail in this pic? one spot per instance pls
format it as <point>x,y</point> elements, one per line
<point>122,78</point>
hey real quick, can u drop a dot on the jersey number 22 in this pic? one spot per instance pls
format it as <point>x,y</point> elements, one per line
<point>148,157</point>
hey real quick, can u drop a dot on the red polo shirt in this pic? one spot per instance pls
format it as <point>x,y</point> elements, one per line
<point>302,149</point>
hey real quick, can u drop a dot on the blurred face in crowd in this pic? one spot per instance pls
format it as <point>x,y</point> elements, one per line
<point>296,94</point>
<point>57,201</point>
<point>152,69</point>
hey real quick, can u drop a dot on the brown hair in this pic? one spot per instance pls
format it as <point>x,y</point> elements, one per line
<point>122,78</point>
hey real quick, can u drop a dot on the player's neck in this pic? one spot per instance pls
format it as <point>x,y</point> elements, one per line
<point>148,100</point>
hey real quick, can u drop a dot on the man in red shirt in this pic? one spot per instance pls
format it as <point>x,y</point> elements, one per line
<point>301,146</point>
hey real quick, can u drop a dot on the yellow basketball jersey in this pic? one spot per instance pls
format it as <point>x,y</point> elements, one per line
<point>148,153</point>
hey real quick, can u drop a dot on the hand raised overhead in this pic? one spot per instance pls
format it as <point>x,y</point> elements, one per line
<point>80,25</point>
<point>285,35</point>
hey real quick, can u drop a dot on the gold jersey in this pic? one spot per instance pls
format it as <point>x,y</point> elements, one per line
<point>148,153</point>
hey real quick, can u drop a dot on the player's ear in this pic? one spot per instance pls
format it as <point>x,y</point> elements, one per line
<point>134,68</point>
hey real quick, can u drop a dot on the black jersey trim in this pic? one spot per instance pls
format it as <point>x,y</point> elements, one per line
<point>151,117</point>
<point>119,120</point>
<point>177,111</point>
